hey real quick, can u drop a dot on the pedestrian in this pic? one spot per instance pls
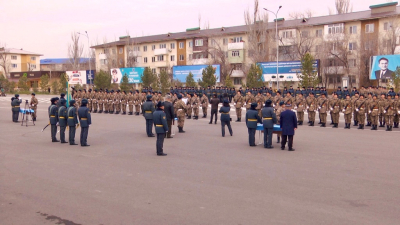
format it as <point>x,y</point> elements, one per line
<point>53,116</point>
<point>225,117</point>
<point>252,119</point>
<point>72,121</point>
<point>34,103</point>
<point>161,127</point>
<point>169,112</point>
<point>214,108</point>
<point>85,120</point>
<point>269,119</point>
<point>148,109</point>
<point>15,106</point>
<point>288,125</point>
<point>62,120</point>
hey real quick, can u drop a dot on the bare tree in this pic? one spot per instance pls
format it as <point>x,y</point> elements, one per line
<point>218,54</point>
<point>389,40</point>
<point>132,52</point>
<point>75,50</point>
<point>343,6</point>
<point>300,15</point>
<point>5,62</point>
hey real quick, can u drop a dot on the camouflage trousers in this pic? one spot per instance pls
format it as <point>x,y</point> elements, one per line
<point>101,106</point>
<point>239,112</point>
<point>204,110</point>
<point>117,107</point>
<point>374,120</point>
<point>389,120</point>
<point>355,115</point>
<point>137,108</point>
<point>335,117</point>
<point>322,117</point>
<point>34,112</point>
<point>181,121</point>
<point>396,118</point>
<point>311,116</point>
<point>123,107</point>
<point>196,111</point>
<point>381,118</point>
<point>95,106</point>
<point>130,108</point>
<point>189,112</point>
<point>300,116</point>
<point>347,118</point>
<point>369,117</point>
<point>361,118</point>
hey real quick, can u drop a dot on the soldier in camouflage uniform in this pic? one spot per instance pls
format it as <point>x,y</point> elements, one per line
<point>189,106</point>
<point>334,106</point>
<point>322,108</point>
<point>238,102</point>
<point>130,99</point>
<point>180,108</point>
<point>347,106</point>
<point>124,101</point>
<point>311,103</point>
<point>368,101</point>
<point>389,113</point>
<point>354,100</point>
<point>299,106</point>
<point>396,111</point>
<point>204,105</point>
<point>195,105</point>
<point>249,99</point>
<point>137,102</point>
<point>279,108</point>
<point>373,109</point>
<point>260,102</point>
<point>381,102</point>
<point>360,106</point>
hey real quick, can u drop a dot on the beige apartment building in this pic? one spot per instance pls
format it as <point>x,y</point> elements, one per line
<point>343,44</point>
<point>18,60</point>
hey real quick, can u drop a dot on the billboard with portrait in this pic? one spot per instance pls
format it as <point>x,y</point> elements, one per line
<point>181,72</point>
<point>133,74</point>
<point>287,69</point>
<point>77,77</point>
<point>383,66</point>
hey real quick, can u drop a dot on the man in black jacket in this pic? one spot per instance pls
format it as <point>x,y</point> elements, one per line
<point>147,110</point>
<point>169,112</point>
<point>160,124</point>
<point>214,108</point>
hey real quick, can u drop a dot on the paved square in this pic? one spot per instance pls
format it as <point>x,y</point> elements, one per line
<point>335,176</point>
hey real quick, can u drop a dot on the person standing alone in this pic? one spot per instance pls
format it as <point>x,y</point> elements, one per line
<point>161,127</point>
<point>214,108</point>
<point>288,123</point>
<point>225,117</point>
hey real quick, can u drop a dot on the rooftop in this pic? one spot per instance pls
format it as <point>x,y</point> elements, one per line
<point>19,51</point>
<point>60,61</point>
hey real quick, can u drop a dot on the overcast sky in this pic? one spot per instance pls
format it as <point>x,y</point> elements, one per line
<point>44,26</point>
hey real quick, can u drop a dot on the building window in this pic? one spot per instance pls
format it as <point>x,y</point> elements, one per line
<point>304,33</point>
<point>136,48</point>
<point>287,34</point>
<point>154,71</point>
<point>190,44</point>
<point>225,41</point>
<point>353,29</point>
<point>145,59</point>
<point>160,58</point>
<point>163,46</point>
<point>33,58</point>
<point>153,47</point>
<point>198,42</point>
<point>386,26</point>
<point>237,66</point>
<point>106,51</point>
<point>181,57</point>
<point>237,81</point>
<point>103,61</point>
<point>121,62</point>
<point>335,28</point>
<point>181,45</point>
<point>172,45</point>
<point>114,51</point>
<point>352,63</point>
<point>352,46</point>
<point>14,65</point>
<point>369,28</point>
<point>237,39</point>
<point>235,53</point>
<point>352,79</point>
<point>33,66</point>
<point>121,50</point>
<point>153,59</point>
<point>190,56</point>
<point>14,57</point>
<point>199,56</point>
<point>318,33</point>
<point>172,58</point>
<point>145,48</point>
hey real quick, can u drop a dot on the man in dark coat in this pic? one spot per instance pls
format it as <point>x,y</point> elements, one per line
<point>85,120</point>
<point>62,119</point>
<point>53,116</point>
<point>269,119</point>
<point>15,104</point>
<point>288,123</point>
<point>161,127</point>
<point>169,112</point>
<point>252,119</point>
<point>214,108</point>
<point>72,121</point>
<point>147,110</point>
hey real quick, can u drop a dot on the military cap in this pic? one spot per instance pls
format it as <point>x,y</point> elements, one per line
<point>33,93</point>
<point>90,90</point>
<point>16,95</point>
<point>281,103</point>
<point>131,92</point>
<point>278,92</point>
<point>149,97</point>
<point>63,101</point>
<point>96,90</point>
<point>80,89</point>
<point>268,103</point>
<point>160,104</point>
<point>84,101</point>
<point>179,96</point>
<point>288,105</point>
<point>62,95</point>
<point>72,102</point>
<point>57,98</point>
<point>253,105</point>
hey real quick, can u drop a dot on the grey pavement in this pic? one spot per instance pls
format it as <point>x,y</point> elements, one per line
<point>335,176</point>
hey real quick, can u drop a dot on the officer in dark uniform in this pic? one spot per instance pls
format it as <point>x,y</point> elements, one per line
<point>85,120</point>
<point>161,127</point>
<point>62,96</point>
<point>148,109</point>
<point>53,116</point>
<point>62,119</point>
<point>269,119</point>
<point>225,117</point>
<point>72,121</point>
<point>252,119</point>
<point>15,104</point>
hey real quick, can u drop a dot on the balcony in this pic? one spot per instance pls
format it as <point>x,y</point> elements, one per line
<point>102,56</point>
<point>135,54</point>
<point>237,73</point>
<point>162,51</point>
<point>236,46</point>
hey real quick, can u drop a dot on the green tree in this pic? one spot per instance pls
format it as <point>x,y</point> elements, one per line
<point>229,82</point>
<point>55,87</point>
<point>254,77</point>
<point>4,83</point>
<point>148,78</point>
<point>396,79</point>
<point>102,80</point>
<point>308,76</point>
<point>155,85</point>
<point>190,81</point>
<point>125,85</point>
<point>23,82</point>
<point>177,83</point>
<point>165,83</point>
<point>44,82</point>
<point>63,83</point>
<point>208,78</point>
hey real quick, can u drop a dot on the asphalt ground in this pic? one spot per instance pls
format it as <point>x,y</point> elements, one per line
<point>335,176</point>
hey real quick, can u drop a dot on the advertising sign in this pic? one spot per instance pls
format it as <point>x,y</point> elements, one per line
<point>77,77</point>
<point>133,74</point>
<point>287,69</point>
<point>383,66</point>
<point>181,72</point>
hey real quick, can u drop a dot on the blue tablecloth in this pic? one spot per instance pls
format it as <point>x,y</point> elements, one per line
<point>276,127</point>
<point>24,111</point>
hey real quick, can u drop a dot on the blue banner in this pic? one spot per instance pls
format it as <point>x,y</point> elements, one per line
<point>89,76</point>
<point>287,69</point>
<point>181,72</point>
<point>133,74</point>
<point>383,66</point>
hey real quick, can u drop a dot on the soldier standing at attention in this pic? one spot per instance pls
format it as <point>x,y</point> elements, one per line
<point>15,104</point>
<point>347,106</point>
<point>360,108</point>
<point>34,103</point>
<point>311,106</point>
<point>72,121</point>
<point>53,111</point>
<point>260,101</point>
<point>204,104</point>
<point>225,117</point>
<point>148,109</point>
<point>95,97</point>
<point>62,120</point>
<point>180,108</point>
<point>85,120</point>
<point>214,109</point>
<point>170,114</point>
<point>354,100</point>
<point>238,102</point>
<point>335,108</point>
<point>189,106</point>
<point>373,110</point>
<point>396,111</point>
<point>137,101</point>
<point>130,99</point>
<point>269,119</point>
<point>278,110</point>
<point>381,103</point>
<point>322,108</point>
<point>299,107</point>
<point>249,99</point>
<point>368,101</point>
<point>389,112</point>
<point>252,119</point>
<point>195,105</point>
<point>161,126</point>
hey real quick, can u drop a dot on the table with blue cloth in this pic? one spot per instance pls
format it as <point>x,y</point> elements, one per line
<point>26,111</point>
<point>277,130</point>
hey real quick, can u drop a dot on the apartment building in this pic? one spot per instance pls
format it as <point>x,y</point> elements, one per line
<point>343,44</point>
<point>18,60</point>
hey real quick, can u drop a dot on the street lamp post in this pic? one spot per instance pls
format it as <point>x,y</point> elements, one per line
<point>277,43</point>
<point>90,68</point>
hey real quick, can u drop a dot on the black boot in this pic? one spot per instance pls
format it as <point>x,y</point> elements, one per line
<point>323,125</point>
<point>348,125</point>
<point>181,130</point>
<point>237,120</point>
<point>359,127</point>
<point>301,123</point>
<point>356,122</point>
<point>320,122</point>
<point>335,125</point>
<point>310,124</point>
<point>396,125</point>
<point>368,124</point>
<point>345,126</point>
<point>332,122</point>
<point>380,124</point>
<point>279,140</point>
